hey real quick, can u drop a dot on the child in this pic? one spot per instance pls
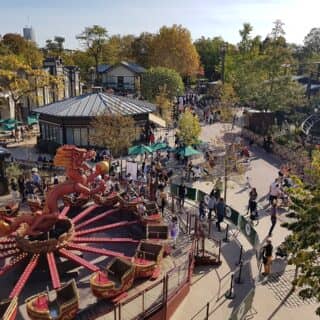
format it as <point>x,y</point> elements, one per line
<point>174,230</point>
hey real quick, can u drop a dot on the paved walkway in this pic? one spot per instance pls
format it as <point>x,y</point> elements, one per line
<point>272,299</point>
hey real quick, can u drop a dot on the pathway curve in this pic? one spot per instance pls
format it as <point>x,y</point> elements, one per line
<point>271,299</point>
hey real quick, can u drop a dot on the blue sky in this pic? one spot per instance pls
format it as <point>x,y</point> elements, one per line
<point>209,18</point>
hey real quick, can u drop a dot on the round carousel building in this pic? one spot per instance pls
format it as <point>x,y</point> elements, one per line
<point>68,121</point>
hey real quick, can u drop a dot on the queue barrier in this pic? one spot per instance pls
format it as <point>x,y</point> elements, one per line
<point>238,220</point>
<point>246,228</point>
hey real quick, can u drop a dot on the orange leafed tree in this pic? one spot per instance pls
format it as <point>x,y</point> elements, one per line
<point>173,48</point>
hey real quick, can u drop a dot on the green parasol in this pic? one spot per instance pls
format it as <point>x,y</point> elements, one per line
<point>31,120</point>
<point>187,151</point>
<point>140,149</point>
<point>159,146</point>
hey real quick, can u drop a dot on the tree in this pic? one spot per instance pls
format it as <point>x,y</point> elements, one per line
<point>210,56</point>
<point>245,44</point>
<point>118,48</point>
<point>115,132</point>
<point>26,50</point>
<point>84,61</point>
<point>303,244</point>
<point>173,49</point>
<point>59,41</point>
<point>14,42</point>
<point>142,49</point>
<point>93,39</point>
<point>20,80</point>
<point>164,104</point>
<point>155,78</point>
<point>312,41</point>
<point>189,128</point>
<point>55,46</point>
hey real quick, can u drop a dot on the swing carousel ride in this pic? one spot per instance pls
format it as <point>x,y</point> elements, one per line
<point>80,226</point>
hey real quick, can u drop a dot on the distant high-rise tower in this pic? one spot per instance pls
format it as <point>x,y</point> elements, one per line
<point>29,34</point>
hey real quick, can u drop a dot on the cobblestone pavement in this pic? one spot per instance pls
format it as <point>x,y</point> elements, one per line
<point>280,284</point>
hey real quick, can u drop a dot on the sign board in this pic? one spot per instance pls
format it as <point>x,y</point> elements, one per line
<point>232,215</point>
<point>191,194</point>
<point>248,231</point>
<point>132,168</point>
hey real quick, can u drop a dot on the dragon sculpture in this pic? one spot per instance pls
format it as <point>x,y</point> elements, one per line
<point>79,179</point>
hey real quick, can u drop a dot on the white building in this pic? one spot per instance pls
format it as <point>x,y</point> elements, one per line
<point>123,76</point>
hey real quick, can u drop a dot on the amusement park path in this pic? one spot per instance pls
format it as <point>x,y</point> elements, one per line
<point>272,298</point>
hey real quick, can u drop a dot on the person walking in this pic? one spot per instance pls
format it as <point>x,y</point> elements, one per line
<point>21,185</point>
<point>267,257</point>
<point>252,205</point>
<point>14,190</point>
<point>211,205</point>
<point>174,230</point>
<point>182,194</point>
<point>55,179</point>
<point>274,191</point>
<point>163,200</point>
<point>273,216</point>
<point>202,210</point>
<point>220,209</point>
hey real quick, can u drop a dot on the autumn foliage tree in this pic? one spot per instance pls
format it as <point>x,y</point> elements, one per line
<point>173,49</point>
<point>20,80</point>
<point>189,128</point>
<point>164,104</point>
<point>115,132</point>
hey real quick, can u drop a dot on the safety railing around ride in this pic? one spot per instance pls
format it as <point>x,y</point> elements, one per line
<point>155,296</point>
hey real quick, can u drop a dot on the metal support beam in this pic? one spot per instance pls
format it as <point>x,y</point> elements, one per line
<point>64,212</point>
<point>96,218</point>
<point>84,213</point>
<point>53,270</point>
<point>104,240</point>
<point>25,276</point>
<point>82,262</point>
<point>100,251</point>
<point>104,228</point>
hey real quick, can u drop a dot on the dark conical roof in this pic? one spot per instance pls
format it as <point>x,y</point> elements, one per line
<point>90,105</point>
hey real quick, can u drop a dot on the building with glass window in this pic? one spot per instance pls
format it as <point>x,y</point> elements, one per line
<point>68,121</point>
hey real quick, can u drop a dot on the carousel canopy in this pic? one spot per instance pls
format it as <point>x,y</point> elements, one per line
<point>90,105</point>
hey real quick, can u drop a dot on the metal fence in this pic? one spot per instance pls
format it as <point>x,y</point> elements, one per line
<point>155,296</point>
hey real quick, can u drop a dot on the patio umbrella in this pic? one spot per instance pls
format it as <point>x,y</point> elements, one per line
<point>159,146</point>
<point>8,126</point>
<point>139,149</point>
<point>11,121</point>
<point>187,151</point>
<point>31,120</point>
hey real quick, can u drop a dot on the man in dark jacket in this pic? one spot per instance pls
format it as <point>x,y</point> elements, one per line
<point>267,257</point>
<point>220,209</point>
<point>182,194</point>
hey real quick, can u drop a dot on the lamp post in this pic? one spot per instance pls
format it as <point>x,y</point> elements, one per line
<point>223,51</point>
